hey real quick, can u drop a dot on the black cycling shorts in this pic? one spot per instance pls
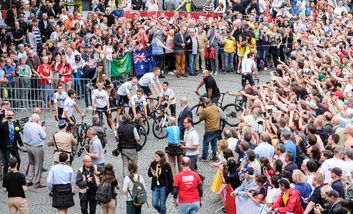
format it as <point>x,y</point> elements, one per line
<point>121,100</point>
<point>104,109</point>
<point>146,90</point>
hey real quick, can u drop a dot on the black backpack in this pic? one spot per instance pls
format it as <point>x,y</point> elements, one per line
<point>138,192</point>
<point>104,192</point>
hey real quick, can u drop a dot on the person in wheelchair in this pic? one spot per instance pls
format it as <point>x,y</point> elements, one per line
<point>167,95</point>
<point>138,104</point>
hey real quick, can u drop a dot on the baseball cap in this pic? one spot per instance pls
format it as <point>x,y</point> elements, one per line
<point>333,193</point>
<point>312,104</point>
<point>249,170</point>
<point>337,171</point>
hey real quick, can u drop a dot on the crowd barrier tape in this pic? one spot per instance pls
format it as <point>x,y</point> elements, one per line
<point>168,14</point>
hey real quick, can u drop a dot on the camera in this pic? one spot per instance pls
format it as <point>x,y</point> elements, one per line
<point>116,152</point>
<point>80,151</point>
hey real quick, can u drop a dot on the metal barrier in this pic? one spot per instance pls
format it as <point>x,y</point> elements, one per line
<point>25,92</point>
<point>27,107</point>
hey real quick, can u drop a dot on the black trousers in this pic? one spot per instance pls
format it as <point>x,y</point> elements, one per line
<point>160,61</point>
<point>92,206</point>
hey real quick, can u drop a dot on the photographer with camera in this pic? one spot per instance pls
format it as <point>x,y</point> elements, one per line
<point>63,142</point>
<point>95,149</point>
<point>87,181</point>
<point>128,139</point>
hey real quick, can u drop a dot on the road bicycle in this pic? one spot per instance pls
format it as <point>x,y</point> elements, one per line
<point>160,122</point>
<point>79,132</point>
<point>232,110</point>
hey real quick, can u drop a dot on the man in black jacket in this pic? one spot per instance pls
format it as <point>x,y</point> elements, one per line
<point>192,47</point>
<point>184,113</point>
<point>86,180</point>
<point>10,137</point>
<point>179,51</point>
<point>128,138</point>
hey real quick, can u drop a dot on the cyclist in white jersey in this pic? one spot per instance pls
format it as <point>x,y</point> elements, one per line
<point>248,69</point>
<point>59,101</point>
<point>137,102</point>
<point>168,95</point>
<point>124,95</point>
<point>100,101</point>
<point>69,106</point>
<point>151,78</point>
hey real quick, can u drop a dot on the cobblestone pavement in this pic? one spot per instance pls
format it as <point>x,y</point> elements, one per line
<point>40,202</point>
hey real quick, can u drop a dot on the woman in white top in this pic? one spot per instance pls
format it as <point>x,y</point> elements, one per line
<point>108,53</point>
<point>127,188</point>
<point>152,5</point>
<point>169,53</point>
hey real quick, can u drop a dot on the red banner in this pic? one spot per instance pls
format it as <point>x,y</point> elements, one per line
<point>228,200</point>
<point>168,14</point>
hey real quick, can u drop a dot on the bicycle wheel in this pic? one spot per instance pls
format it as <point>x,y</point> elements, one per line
<point>143,135</point>
<point>144,122</point>
<point>233,112</point>
<point>195,113</point>
<point>158,127</point>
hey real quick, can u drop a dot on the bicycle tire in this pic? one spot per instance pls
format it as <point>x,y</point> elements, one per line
<point>145,124</point>
<point>158,131</point>
<point>143,135</point>
<point>195,113</point>
<point>233,112</point>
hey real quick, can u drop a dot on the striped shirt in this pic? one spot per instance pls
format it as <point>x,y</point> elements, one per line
<point>208,7</point>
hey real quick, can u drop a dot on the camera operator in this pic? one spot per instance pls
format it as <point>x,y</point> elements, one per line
<point>95,149</point>
<point>128,138</point>
<point>86,180</point>
<point>63,142</point>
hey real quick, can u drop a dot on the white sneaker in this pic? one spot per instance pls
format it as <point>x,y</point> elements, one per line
<point>216,73</point>
<point>211,72</point>
<point>171,73</point>
<point>89,108</point>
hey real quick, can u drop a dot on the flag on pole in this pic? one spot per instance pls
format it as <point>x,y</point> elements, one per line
<point>121,66</point>
<point>144,62</point>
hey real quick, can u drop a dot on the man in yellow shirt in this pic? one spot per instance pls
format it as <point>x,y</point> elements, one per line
<point>229,50</point>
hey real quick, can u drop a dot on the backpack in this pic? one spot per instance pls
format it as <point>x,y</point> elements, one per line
<point>138,192</point>
<point>104,192</point>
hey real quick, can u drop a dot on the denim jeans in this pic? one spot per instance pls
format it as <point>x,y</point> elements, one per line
<point>228,62</point>
<point>14,152</point>
<point>87,95</point>
<point>92,206</point>
<point>159,199</point>
<point>191,61</point>
<point>262,55</point>
<point>47,93</point>
<point>207,138</point>
<point>189,208</point>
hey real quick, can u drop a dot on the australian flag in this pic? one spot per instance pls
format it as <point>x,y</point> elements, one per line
<point>144,62</point>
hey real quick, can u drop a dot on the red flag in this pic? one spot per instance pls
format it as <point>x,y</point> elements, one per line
<point>228,200</point>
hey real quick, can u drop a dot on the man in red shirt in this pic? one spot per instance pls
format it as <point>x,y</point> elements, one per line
<point>188,185</point>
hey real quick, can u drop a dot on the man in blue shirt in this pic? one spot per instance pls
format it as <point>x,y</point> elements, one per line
<point>173,150</point>
<point>34,136</point>
<point>289,146</point>
<point>264,149</point>
<point>60,179</point>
